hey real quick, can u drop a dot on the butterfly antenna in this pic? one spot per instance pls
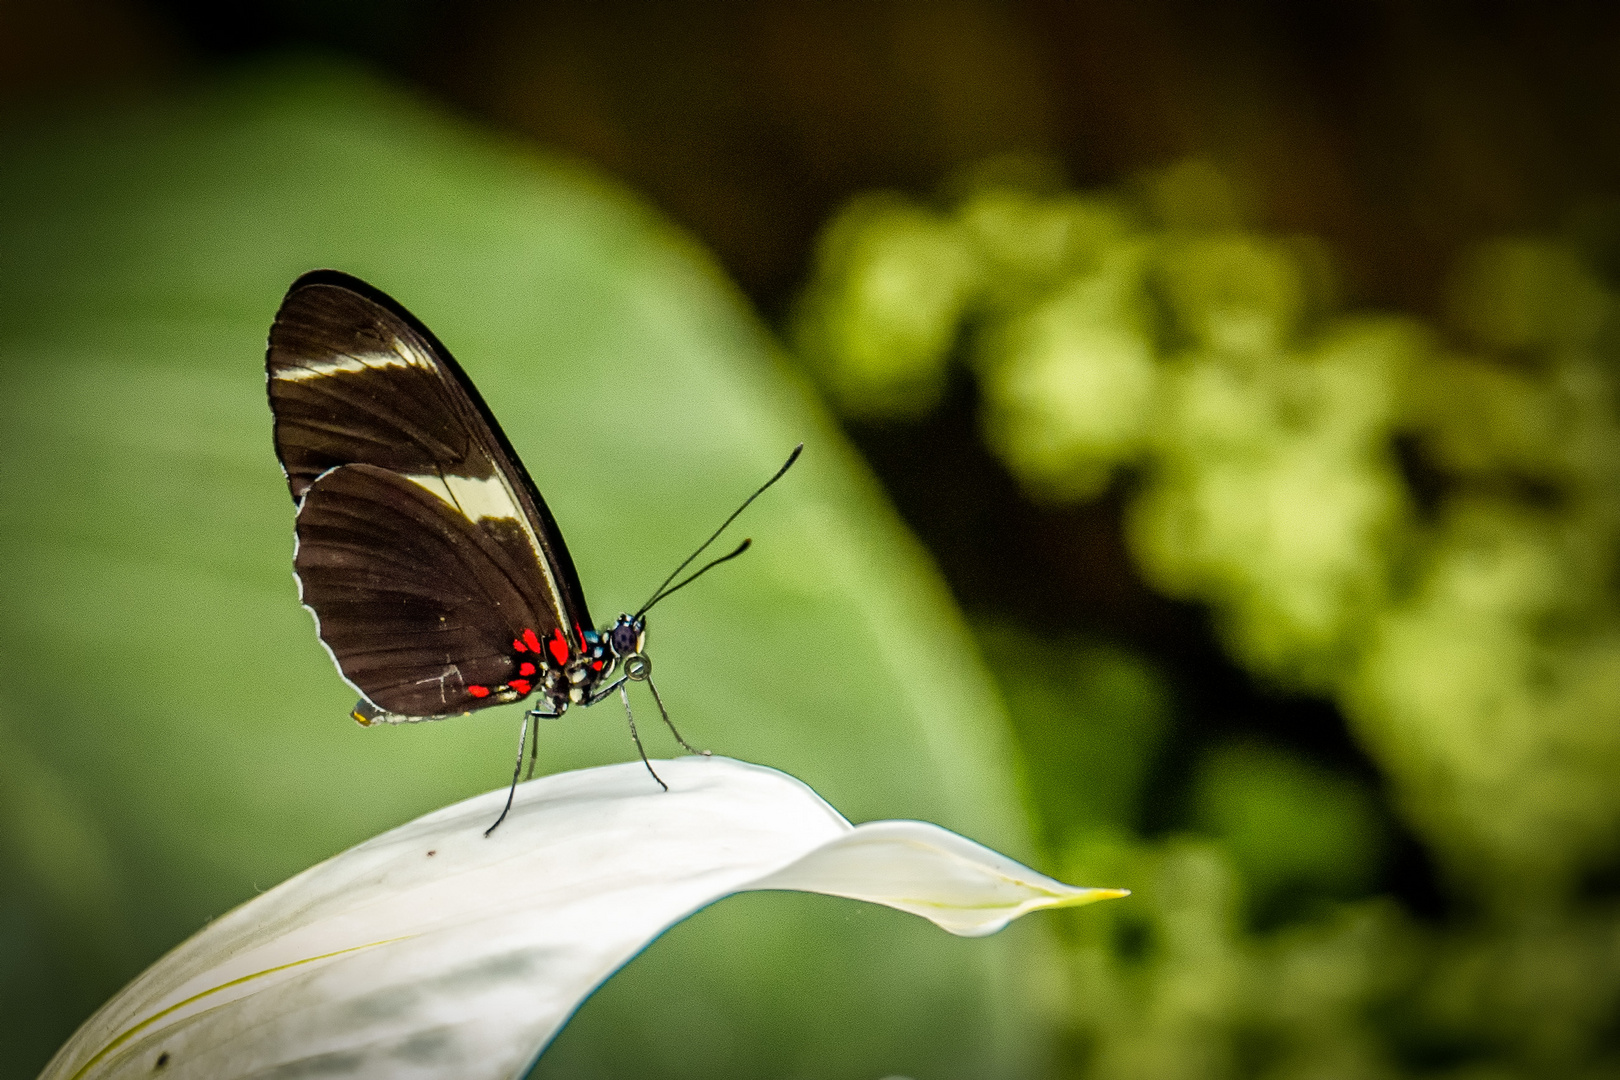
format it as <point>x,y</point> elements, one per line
<point>742,547</point>
<point>659,593</point>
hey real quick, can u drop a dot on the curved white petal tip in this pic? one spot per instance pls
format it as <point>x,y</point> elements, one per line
<point>962,886</point>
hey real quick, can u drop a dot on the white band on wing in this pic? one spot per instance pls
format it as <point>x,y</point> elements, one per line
<point>486,498</point>
<point>338,365</point>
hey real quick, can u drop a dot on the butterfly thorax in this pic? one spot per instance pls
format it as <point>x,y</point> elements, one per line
<point>567,672</point>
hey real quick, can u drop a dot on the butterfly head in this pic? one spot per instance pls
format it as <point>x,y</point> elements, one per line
<point>628,635</point>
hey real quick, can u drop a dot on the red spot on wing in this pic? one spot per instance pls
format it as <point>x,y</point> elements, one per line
<point>520,685</point>
<point>597,664</point>
<point>525,669</point>
<point>558,646</point>
<point>518,646</point>
<point>581,633</point>
<point>478,691</point>
<point>531,641</point>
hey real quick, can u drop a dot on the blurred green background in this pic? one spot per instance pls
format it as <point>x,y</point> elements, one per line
<point>1246,371</point>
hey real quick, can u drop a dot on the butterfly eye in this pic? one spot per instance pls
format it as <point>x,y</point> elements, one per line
<point>625,638</point>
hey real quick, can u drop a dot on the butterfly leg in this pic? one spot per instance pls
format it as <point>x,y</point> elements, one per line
<point>534,747</point>
<point>537,715</point>
<point>606,690</point>
<point>517,770</point>
<point>630,716</point>
<point>671,724</point>
<point>638,667</point>
<point>532,715</point>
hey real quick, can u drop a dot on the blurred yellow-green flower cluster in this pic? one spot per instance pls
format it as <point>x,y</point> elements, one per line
<point>1415,519</point>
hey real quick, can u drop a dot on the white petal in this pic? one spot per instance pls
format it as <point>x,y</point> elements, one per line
<point>431,951</point>
<point>948,879</point>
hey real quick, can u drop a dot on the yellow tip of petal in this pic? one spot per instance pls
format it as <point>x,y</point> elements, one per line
<point>1077,898</point>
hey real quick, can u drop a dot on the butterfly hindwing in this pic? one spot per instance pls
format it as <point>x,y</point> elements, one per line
<point>423,545</point>
<point>415,601</point>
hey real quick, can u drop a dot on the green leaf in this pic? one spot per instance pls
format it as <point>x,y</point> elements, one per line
<point>156,662</point>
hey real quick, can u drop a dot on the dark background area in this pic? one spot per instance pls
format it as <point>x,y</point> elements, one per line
<point>1397,131</point>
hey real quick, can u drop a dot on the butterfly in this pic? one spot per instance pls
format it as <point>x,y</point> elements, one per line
<point>438,578</point>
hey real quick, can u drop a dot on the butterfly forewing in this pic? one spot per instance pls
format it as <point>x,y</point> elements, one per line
<point>423,547</point>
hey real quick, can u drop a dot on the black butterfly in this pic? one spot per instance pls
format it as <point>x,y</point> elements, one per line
<point>438,579</point>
